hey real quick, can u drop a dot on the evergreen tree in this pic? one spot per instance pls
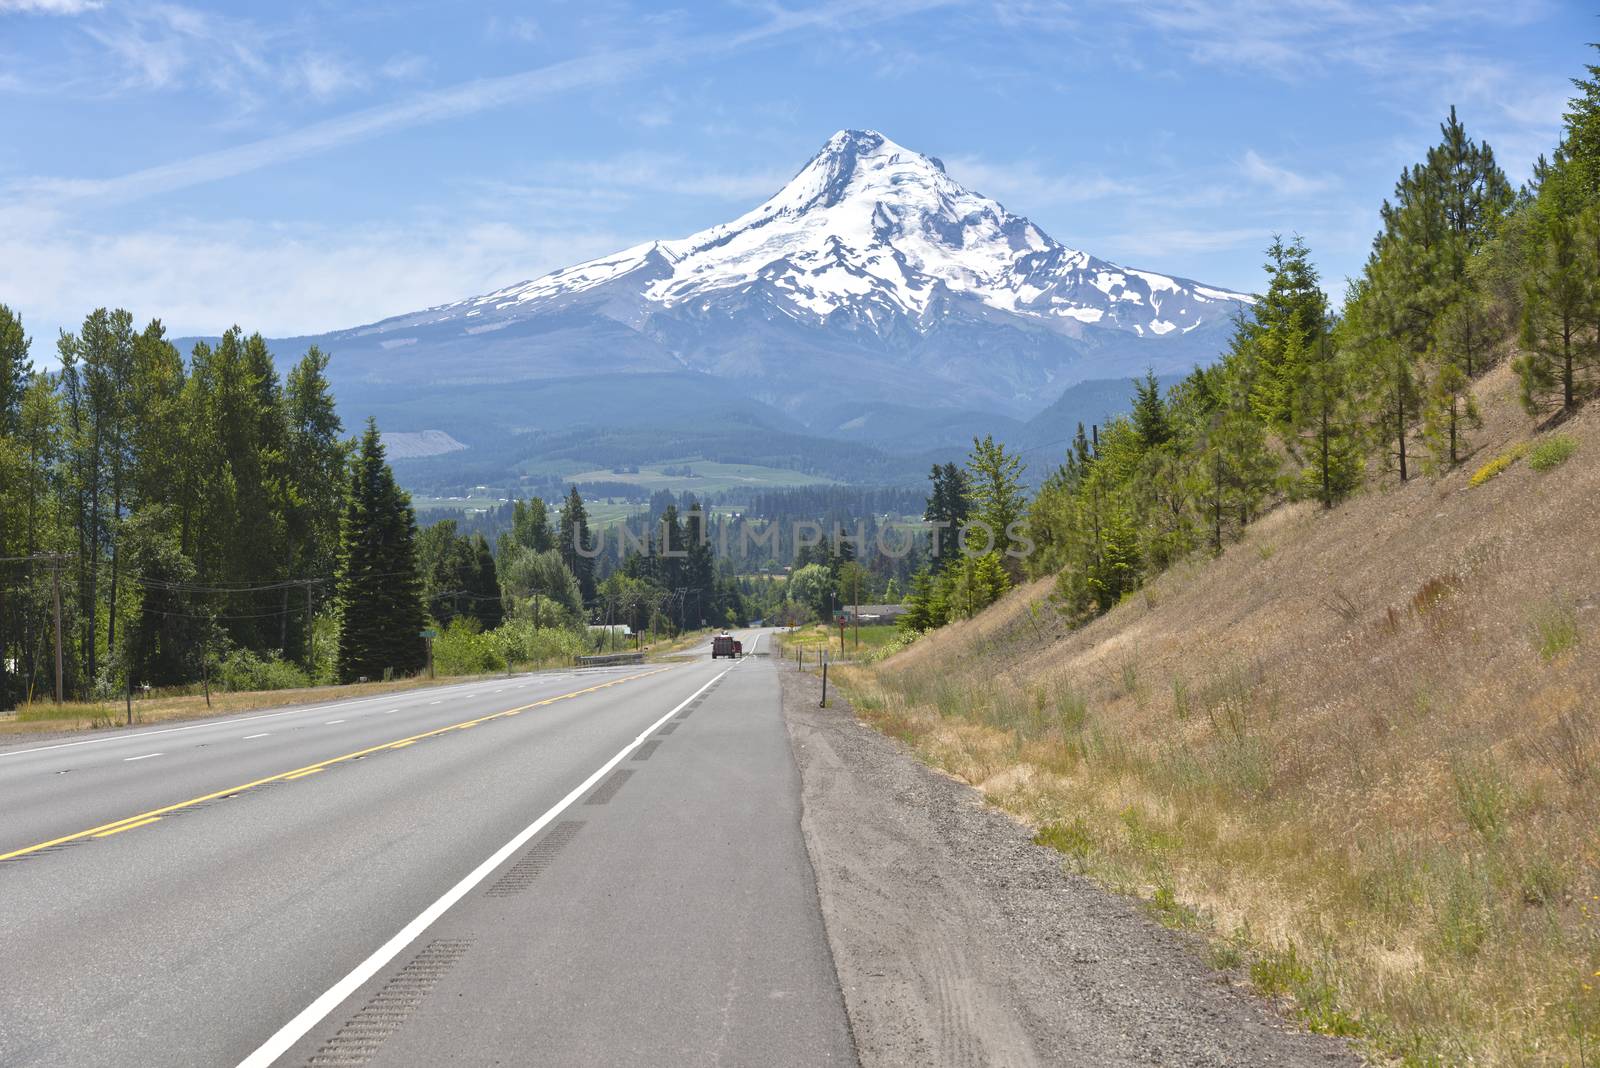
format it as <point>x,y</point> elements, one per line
<point>1149,413</point>
<point>379,589</point>
<point>1559,349</point>
<point>573,537</point>
<point>948,507</point>
<point>994,478</point>
<point>1288,320</point>
<point>15,370</point>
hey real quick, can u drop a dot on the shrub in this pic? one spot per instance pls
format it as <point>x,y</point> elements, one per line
<point>1497,465</point>
<point>244,670</point>
<point>519,643</point>
<point>463,649</point>
<point>1551,453</point>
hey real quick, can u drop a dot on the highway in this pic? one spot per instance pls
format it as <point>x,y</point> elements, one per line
<point>582,867</point>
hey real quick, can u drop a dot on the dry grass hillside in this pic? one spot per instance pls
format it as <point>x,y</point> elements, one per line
<point>1360,750</point>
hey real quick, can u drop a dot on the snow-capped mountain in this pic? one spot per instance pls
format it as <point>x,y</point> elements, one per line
<point>873,275</point>
<point>870,231</point>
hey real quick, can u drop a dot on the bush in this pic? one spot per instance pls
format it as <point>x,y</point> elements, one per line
<point>244,670</point>
<point>463,649</point>
<point>1551,453</point>
<point>520,643</point>
<point>1498,464</point>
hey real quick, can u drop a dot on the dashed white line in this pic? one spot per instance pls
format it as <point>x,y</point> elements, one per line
<point>391,711</point>
<point>253,737</point>
<point>146,756</point>
<point>331,722</point>
<point>436,702</point>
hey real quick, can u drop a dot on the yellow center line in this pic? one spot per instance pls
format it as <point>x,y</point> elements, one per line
<point>144,818</point>
<point>129,827</point>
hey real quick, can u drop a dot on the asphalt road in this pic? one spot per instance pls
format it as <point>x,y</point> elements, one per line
<point>592,867</point>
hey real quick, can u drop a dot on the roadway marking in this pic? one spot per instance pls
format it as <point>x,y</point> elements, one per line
<point>331,722</point>
<point>436,702</point>
<point>391,711</point>
<point>147,756</point>
<point>253,737</point>
<point>301,774</point>
<point>308,1017</point>
<point>128,827</point>
<point>400,743</point>
<point>4,753</point>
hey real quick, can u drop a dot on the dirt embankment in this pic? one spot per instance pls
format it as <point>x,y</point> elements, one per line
<point>960,942</point>
<point>1359,752</point>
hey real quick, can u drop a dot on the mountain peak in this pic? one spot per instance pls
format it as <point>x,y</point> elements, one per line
<point>873,236</point>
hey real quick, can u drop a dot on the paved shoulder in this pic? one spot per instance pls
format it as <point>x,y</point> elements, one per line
<point>958,941</point>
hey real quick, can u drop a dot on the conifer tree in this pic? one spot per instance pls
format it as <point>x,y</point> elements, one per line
<point>948,507</point>
<point>1559,348</point>
<point>379,589</point>
<point>1149,413</point>
<point>995,481</point>
<point>573,537</point>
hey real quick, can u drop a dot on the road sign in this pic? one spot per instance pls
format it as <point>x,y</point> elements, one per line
<point>429,633</point>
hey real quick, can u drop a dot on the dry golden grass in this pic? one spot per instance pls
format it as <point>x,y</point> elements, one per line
<point>1361,750</point>
<point>45,718</point>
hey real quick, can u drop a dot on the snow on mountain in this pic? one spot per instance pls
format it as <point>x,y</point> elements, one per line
<point>870,228</point>
<point>873,266</point>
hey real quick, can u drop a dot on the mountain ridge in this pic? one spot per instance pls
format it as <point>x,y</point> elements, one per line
<point>871,279</point>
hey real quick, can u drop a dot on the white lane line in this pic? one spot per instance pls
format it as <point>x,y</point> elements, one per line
<point>312,1014</point>
<point>391,711</point>
<point>147,756</point>
<point>253,737</point>
<point>331,722</point>
<point>436,702</point>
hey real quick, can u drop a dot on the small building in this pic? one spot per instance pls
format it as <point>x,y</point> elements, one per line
<point>873,613</point>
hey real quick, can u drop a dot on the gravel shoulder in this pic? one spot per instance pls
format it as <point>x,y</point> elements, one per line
<point>959,942</point>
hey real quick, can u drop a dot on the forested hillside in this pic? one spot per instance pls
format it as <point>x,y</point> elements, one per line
<point>1313,401</point>
<point>1307,655</point>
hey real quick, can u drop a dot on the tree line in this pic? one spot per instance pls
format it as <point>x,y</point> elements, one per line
<point>1311,401</point>
<point>204,518</point>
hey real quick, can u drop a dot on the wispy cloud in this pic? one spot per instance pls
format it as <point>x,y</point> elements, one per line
<point>49,7</point>
<point>463,99</point>
<point>1280,180</point>
<point>619,183</point>
<point>283,280</point>
<point>1025,186</point>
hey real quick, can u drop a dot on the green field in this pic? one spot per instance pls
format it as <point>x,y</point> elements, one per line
<point>467,504</point>
<point>707,477</point>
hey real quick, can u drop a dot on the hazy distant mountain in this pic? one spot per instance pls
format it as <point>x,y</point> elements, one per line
<point>872,291</point>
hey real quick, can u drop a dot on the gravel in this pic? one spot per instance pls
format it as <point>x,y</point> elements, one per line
<point>959,942</point>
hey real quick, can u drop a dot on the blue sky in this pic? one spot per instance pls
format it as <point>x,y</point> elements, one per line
<point>303,166</point>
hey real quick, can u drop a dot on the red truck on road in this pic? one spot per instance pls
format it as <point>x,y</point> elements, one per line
<point>725,645</point>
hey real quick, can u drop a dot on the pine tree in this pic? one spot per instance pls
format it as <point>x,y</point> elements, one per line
<point>15,369</point>
<point>1560,300</point>
<point>575,544</point>
<point>1149,413</point>
<point>1288,319</point>
<point>994,478</point>
<point>947,511</point>
<point>317,457</point>
<point>1327,438</point>
<point>379,589</point>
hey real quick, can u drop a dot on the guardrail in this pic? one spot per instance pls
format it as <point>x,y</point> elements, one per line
<point>610,659</point>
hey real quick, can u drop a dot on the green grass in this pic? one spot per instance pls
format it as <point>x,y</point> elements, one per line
<point>1551,453</point>
<point>468,504</point>
<point>707,477</point>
